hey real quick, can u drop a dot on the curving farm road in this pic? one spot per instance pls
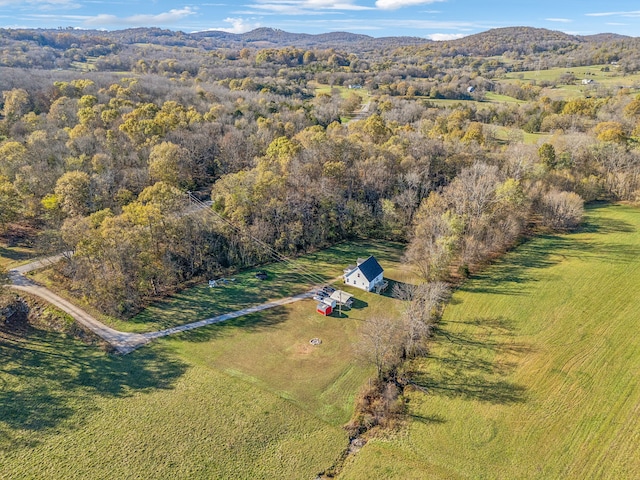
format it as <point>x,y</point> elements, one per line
<point>122,342</point>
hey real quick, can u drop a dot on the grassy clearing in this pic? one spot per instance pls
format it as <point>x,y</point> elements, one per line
<point>498,98</point>
<point>13,256</point>
<point>88,65</point>
<point>612,78</point>
<point>533,371</point>
<point>505,134</point>
<point>594,72</point>
<point>283,280</point>
<point>15,246</point>
<point>344,91</point>
<point>491,98</point>
<point>249,398</point>
<point>70,412</point>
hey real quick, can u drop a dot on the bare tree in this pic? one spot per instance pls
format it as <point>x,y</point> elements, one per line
<point>424,304</point>
<point>380,343</point>
<point>561,210</point>
<point>435,238</point>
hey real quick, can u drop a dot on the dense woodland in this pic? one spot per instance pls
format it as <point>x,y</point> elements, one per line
<point>102,133</point>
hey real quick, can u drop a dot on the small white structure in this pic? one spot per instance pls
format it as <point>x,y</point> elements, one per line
<point>587,81</point>
<point>342,298</point>
<point>329,301</point>
<point>367,274</point>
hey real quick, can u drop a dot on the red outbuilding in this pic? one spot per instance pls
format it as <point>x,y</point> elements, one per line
<point>324,309</point>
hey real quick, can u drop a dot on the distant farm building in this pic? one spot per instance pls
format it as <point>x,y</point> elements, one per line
<point>587,81</point>
<point>471,89</point>
<point>367,274</point>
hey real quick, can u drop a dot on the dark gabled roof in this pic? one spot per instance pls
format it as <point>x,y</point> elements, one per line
<point>370,268</point>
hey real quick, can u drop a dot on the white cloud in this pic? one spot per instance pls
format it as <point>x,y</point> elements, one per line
<point>442,37</point>
<point>416,27</point>
<point>560,20</point>
<point>395,4</point>
<point>238,25</point>
<point>306,7</point>
<point>635,13</point>
<point>165,18</point>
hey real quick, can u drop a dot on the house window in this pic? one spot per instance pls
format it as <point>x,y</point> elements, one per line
<point>358,275</point>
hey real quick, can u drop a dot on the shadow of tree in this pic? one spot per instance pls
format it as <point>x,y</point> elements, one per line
<point>15,255</point>
<point>253,322</point>
<point>47,378</point>
<point>359,304</point>
<point>428,419</point>
<point>475,362</point>
<point>389,292</point>
<point>509,275</point>
<point>603,224</point>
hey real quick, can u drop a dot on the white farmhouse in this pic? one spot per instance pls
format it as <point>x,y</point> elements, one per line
<point>367,274</point>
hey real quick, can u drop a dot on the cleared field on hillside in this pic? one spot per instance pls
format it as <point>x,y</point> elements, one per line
<point>597,73</point>
<point>248,398</point>
<point>611,78</point>
<point>343,91</point>
<point>533,373</point>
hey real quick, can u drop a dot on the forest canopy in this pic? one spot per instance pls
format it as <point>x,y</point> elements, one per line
<point>302,142</point>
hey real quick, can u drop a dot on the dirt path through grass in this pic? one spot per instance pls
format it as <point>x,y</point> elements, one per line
<point>123,342</point>
<point>226,316</point>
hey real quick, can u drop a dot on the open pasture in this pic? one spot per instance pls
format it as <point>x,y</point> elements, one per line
<point>247,398</point>
<point>533,372</point>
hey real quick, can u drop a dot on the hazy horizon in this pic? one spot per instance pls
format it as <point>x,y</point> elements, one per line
<point>432,19</point>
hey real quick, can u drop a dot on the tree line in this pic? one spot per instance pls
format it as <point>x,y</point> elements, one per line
<point>86,159</point>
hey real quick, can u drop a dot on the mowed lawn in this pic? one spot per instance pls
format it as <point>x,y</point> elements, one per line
<point>283,280</point>
<point>11,257</point>
<point>249,398</point>
<point>534,370</point>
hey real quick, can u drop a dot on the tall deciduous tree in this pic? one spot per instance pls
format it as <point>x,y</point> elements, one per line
<point>380,343</point>
<point>168,164</point>
<point>16,104</point>
<point>562,210</point>
<point>73,191</point>
<point>10,204</point>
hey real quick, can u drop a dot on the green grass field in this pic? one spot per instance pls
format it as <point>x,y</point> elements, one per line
<point>498,98</point>
<point>594,72</point>
<point>504,134</point>
<point>12,256</point>
<point>200,302</point>
<point>249,398</point>
<point>612,78</point>
<point>533,372</point>
<point>344,91</point>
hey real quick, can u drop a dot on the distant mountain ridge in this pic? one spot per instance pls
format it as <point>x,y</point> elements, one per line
<point>283,38</point>
<point>491,42</point>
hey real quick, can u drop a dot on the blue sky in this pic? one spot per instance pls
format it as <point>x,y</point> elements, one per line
<point>435,19</point>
